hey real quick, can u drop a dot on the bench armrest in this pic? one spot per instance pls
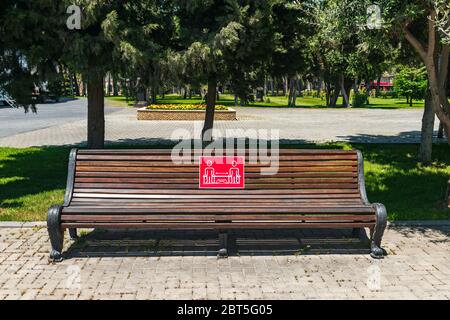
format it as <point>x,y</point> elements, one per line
<point>70,177</point>
<point>361,180</point>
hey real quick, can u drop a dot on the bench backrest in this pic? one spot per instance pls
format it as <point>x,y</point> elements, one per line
<point>144,175</point>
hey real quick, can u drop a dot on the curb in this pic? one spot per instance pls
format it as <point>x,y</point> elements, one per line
<point>19,224</point>
<point>419,223</point>
<point>400,223</point>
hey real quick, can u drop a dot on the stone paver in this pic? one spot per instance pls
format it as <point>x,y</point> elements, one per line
<point>293,125</point>
<point>263,265</point>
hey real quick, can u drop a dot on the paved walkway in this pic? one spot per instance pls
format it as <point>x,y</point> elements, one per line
<point>294,125</point>
<point>263,265</point>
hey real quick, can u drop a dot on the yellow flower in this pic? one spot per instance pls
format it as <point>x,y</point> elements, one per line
<point>183,107</point>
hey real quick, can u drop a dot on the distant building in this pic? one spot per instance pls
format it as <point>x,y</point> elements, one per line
<point>386,82</point>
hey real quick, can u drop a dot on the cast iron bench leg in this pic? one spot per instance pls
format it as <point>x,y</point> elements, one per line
<point>223,244</point>
<point>375,247</point>
<point>55,233</point>
<point>357,232</point>
<point>73,233</point>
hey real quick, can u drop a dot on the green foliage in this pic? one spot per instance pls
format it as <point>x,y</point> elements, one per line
<point>411,82</point>
<point>359,99</point>
<point>443,19</point>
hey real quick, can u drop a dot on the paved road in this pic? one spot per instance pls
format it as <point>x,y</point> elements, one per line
<point>263,265</point>
<point>15,121</point>
<point>65,124</point>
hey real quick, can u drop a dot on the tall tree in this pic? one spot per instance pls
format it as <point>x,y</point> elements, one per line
<point>92,50</point>
<point>423,24</point>
<point>205,28</point>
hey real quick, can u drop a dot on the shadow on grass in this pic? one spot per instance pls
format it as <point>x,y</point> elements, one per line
<point>25,174</point>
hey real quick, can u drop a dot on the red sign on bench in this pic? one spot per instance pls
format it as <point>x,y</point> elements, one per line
<point>221,172</point>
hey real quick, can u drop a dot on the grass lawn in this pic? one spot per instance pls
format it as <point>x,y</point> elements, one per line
<point>276,102</point>
<point>31,179</point>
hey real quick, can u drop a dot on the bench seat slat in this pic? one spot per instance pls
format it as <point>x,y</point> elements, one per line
<point>115,163</point>
<point>248,181</point>
<point>224,210</point>
<point>170,170</point>
<point>216,225</point>
<point>212,218</point>
<point>190,186</point>
<point>194,175</point>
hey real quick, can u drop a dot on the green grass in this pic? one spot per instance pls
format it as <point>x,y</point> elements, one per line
<point>32,179</point>
<point>276,102</point>
<point>119,101</point>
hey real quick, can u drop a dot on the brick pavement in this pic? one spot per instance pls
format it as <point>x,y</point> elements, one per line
<point>263,265</point>
<point>294,125</point>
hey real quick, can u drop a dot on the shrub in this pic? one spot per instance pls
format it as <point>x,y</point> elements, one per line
<point>359,100</point>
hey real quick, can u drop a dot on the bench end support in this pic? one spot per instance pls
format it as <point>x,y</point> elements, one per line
<point>381,220</point>
<point>223,244</point>
<point>55,233</point>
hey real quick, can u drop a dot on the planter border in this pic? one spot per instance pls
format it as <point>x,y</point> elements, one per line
<point>183,115</point>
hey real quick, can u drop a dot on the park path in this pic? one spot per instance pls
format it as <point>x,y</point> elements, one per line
<point>292,125</point>
<point>264,265</point>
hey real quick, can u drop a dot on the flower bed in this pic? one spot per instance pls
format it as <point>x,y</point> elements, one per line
<point>183,107</point>
<point>183,112</point>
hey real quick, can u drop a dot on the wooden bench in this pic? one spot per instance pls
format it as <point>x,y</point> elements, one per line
<point>145,189</point>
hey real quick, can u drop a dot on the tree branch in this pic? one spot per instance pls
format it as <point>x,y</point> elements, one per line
<point>416,44</point>
<point>444,63</point>
<point>432,36</point>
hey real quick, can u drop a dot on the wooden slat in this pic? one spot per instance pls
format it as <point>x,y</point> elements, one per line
<point>241,197</point>
<point>215,202</point>
<point>130,186</point>
<point>212,218</point>
<point>248,181</point>
<point>194,169</point>
<point>216,192</point>
<point>225,210</point>
<point>248,175</point>
<point>217,225</point>
<point>129,163</point>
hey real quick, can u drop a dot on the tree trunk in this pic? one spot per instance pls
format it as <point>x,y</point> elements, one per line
<point>378,87</point>
<point>291,91</point>
<point>235,100</point>
<point>426,140</point>
<point>115,87</point>
<point>154,92</point>
<point>328,94</point>
<point>96,112</point>
<point>437,68</point>
<point>265,86</point>
<point>108,89</point>
<point>346,102</point>
<point>210,108</point>
<point>75,85</point>
<point>272,86</point>
<point>440,134</point>
<point>335,95</point>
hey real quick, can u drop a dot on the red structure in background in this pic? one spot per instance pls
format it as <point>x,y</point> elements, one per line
<point>387,85</point>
